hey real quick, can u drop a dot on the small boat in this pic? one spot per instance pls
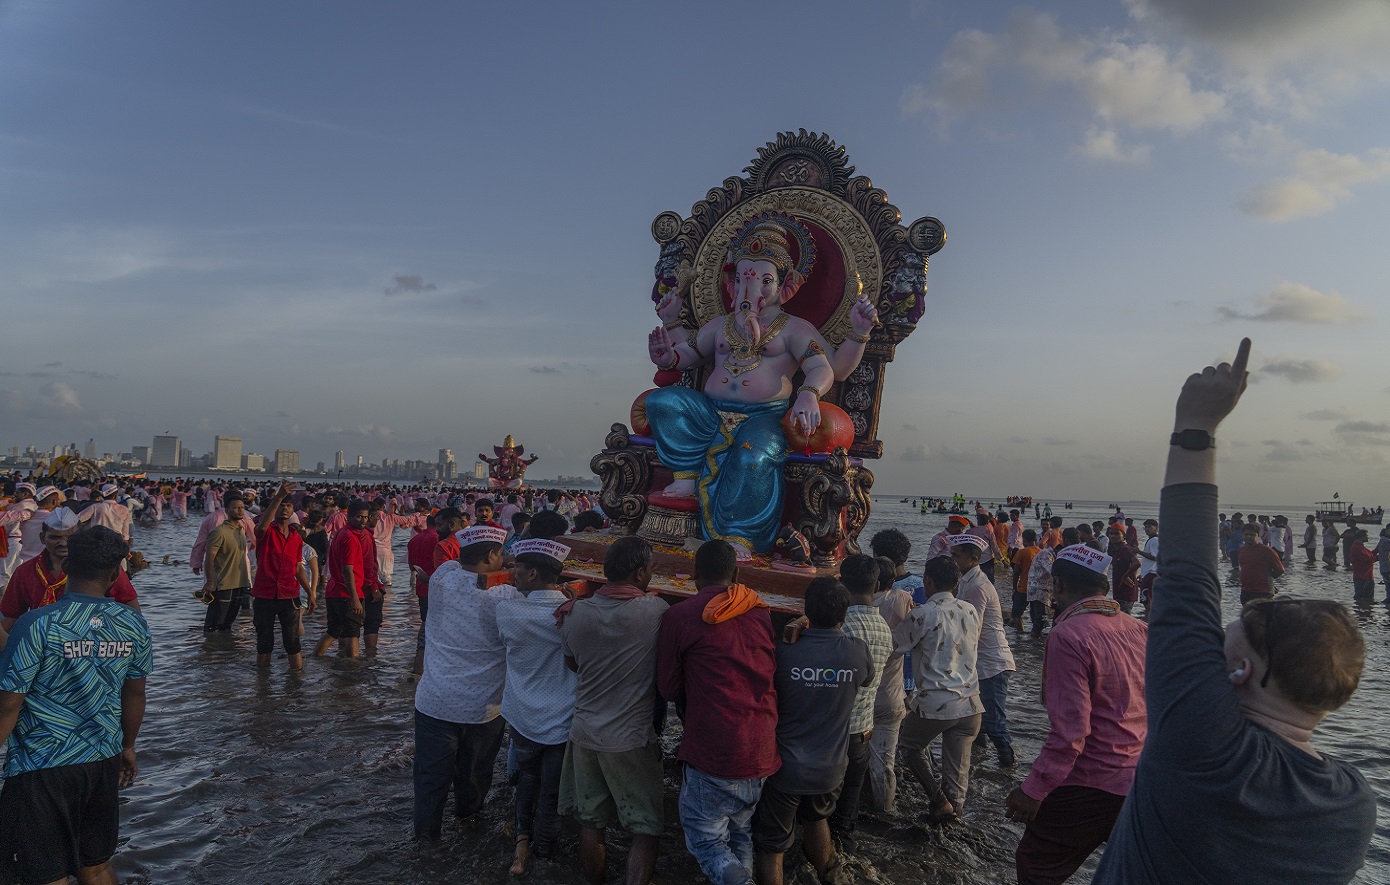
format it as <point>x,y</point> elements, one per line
<point>1336,511</point>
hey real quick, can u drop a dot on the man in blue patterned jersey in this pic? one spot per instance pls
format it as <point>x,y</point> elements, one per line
<point>72,696</point>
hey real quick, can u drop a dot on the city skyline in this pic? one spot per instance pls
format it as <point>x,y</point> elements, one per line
<point>370,241</point>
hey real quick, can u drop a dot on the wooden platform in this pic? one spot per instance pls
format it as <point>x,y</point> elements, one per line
<point>674,569</point>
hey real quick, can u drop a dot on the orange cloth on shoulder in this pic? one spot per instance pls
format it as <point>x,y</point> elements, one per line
<point>734,601</point>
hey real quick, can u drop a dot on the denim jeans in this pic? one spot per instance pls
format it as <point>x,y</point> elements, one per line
<point>994,693</point>
<point>717,815</point>
<point>452,753</point>
<point>538,792</point>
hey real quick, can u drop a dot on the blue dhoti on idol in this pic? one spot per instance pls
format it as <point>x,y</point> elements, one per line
<point>734,451</point>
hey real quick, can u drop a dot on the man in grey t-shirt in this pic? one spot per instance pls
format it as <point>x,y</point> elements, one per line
<point>612,768</point>
<point>817,681</point>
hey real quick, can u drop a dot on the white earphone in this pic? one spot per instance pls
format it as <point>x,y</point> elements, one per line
<point>1236,673</point>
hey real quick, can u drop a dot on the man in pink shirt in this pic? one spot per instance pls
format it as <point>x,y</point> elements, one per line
<point>1093,688</point>
<point>383,523</point>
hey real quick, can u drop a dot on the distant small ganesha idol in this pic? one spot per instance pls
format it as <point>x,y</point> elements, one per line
<point>509,467</point>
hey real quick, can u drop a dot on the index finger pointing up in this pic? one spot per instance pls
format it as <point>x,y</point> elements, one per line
<point>1242,361</point>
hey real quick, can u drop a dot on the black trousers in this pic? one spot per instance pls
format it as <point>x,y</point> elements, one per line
<point>264,614</point>
<point>452,754</point>
<point>223,610</point>
<point>847,806</point>
<point>1072,822</point>
<point>538,792</point>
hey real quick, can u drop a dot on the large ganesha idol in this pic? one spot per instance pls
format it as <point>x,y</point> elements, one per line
<point>725,444</point>
<point>509,467</point>
<point>782,297</point>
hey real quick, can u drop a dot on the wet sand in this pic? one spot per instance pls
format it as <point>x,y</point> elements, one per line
<point>273,777</point>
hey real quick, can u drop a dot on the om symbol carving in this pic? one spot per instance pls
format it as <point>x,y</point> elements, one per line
<point>796,172</point>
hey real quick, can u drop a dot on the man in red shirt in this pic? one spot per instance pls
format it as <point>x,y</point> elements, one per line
<point>1259,566</point>
<point>716,660</point>
<point>344,595</point>
<point>1363,563</point>
<point>41,581</point>
<point>373,594</point>
<point>420,556</point>
<point>279,576</point>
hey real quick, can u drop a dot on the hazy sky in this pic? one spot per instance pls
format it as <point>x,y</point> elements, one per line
<point>389,228</point>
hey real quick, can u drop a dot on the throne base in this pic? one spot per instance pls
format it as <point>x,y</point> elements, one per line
<point>668,525</point>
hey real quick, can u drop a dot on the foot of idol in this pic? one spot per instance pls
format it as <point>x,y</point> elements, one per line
<point>681,488</point>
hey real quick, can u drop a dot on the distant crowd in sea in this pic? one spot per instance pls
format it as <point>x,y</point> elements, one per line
<point>1182,744</point>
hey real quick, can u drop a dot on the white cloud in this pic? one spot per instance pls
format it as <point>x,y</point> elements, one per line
<point>1337,413</point>
<point>1298,303</point>
<point>916,453</point>
<point>1104,145</point>
<point>1347,36</point>
<point>1123,80</point>
<point>1302,371</point>
<point>62,399</point>
<point>1320,181</point>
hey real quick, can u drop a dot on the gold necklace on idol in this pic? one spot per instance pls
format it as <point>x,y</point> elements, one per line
<point>744,355</point>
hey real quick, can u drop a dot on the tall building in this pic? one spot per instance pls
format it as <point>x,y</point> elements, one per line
<point>89,451</point>
<point>339,460</point>
<point>185,457</point>
<point>480,470</point>
<point>253,462</point>
<point>286,460</point>
<point>226,452</point>
<point>140,454</point>
<point>166,452</point>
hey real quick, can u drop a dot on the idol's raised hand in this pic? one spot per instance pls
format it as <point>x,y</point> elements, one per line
<point>1210,395</point>
<point>660,349</point>
<point>863,315</point>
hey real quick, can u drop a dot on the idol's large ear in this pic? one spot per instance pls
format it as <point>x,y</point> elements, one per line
<point>791,283</point>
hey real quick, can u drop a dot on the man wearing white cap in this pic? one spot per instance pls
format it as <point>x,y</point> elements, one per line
<point>1093,688</point>
<point>21,508</point>
<point>48,498</point>
<point>538,699</point>
<point>995,660</point>
<point>458,703</point>
<point>42,580</point>
<point>109,512</point>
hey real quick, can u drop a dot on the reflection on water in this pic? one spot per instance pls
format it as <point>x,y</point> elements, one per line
<point>250,777</point>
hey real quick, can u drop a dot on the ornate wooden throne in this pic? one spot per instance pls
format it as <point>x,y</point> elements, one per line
<point>860,245</point>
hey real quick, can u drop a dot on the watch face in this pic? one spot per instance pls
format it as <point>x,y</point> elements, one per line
<point>1195,440</point>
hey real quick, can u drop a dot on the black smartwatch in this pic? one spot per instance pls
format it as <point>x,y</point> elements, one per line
<point>1193,440</point>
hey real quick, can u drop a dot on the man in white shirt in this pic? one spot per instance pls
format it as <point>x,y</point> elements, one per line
<point>995,659</point>
<point>107,511</point>
<point>458,726</point>
<point>1148,561</point>
<point>31,544</point>
<point>538,698</point>
<point>941,636</point>
<point>21,509</point>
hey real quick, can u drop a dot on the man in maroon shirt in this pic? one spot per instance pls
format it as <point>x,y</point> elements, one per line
<point>1124,567</point>
<point>41,581</point>
<point>1363,564</point>
<point>280,575</point>
<point>716,660</point>
<point>1259,566</point>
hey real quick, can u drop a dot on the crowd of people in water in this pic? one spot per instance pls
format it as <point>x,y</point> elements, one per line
<point>1184,746</point>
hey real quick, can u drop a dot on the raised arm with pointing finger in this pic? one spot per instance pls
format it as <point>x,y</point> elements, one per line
<point>1230,788</point>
